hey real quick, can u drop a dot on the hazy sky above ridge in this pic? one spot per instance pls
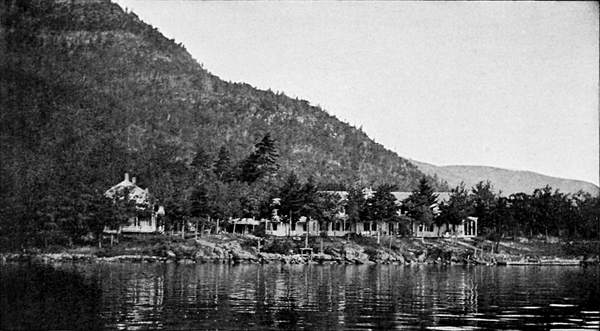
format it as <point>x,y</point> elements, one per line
<point>505,84</point>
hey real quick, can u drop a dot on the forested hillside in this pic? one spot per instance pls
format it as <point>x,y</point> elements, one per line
<point>89,91</point>
<point>90,78</point>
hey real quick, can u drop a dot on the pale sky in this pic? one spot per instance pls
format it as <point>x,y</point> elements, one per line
<point>505,84</point>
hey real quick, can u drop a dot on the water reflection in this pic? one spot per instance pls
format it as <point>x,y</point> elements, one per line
<point>220,296</point>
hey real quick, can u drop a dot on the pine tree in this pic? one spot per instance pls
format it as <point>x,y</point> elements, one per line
<point>382,205</point>
<point>421,202</point>
<point>202,162</point>
<point>222,166</point>
<point>484,202</point>
<point>291,197</point>
<point>457,208</point>
<point>355,204</point>
<point>263,161</point>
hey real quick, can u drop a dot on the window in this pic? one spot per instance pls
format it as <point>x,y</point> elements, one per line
<point>274,226</point>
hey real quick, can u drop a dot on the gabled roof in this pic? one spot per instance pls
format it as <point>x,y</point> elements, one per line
<point>141,196</point>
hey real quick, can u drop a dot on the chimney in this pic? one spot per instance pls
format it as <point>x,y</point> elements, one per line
<point>126,177</point>
<point>133,180</point>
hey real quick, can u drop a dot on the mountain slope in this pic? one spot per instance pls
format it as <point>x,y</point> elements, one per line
<point>89,92</point>
<point>507,181</point>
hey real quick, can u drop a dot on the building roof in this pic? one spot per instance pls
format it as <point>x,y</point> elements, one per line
<point>400,196</point>
<point>141,196</point>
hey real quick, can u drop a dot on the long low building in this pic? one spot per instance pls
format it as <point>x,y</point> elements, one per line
<point>278,226</point>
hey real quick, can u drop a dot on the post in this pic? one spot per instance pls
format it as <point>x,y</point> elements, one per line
<point>307,230</point>
<point>183,229</point>
<point>196,229</point>
<point>217,230</point>
<point>378,236</point>
<point>321,245</point>
<point>112,238</point>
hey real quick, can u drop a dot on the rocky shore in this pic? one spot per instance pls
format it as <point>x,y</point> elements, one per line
<point>244,249</point>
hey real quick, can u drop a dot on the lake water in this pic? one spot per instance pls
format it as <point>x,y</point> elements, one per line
<point>259,297</point>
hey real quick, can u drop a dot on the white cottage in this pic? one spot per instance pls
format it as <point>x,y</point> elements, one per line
<point>142,198</point>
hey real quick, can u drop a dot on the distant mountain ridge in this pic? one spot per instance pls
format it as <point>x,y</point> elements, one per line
<point>505,180</point>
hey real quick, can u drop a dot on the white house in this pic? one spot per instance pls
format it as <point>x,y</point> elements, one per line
<point>143,201</point>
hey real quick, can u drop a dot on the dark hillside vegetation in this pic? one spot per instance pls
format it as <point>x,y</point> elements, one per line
<point>88,91</point>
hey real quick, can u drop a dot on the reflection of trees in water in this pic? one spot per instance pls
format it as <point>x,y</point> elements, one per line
<point>34,297</point>
<point>210,296</point>
<point>133,295</point>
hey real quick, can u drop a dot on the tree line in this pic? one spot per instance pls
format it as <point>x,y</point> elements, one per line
<point>213,188</point>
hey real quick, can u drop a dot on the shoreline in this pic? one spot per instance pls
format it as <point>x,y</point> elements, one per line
<point>234,249</point>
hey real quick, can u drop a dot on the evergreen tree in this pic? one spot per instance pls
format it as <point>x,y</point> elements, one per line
<point>202,162</point>
<point>382,205</point>
<point>484,202</point>
<point>457,208</point>
<point>262,162</point>
<point>309,196</point>
<point>222,166</point>
<point>355,204</point>
<point>420,204</point>
<point>291,197</point>
<point>329,207</point>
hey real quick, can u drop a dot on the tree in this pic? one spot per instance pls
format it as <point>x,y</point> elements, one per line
<point>587,209</point>
<point>262,162</point>
<point>522,212</point>
<point>484,201</point>
<point>202,162</point>
<point>222,166</point>
<point>291,197</point>
<point>329,207</point>
<point>382,206</point>
<point>420,203</point>
<point>308,193</point>
<point>355,204</point>
<point>457,208</point>
<point>103,212</point>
